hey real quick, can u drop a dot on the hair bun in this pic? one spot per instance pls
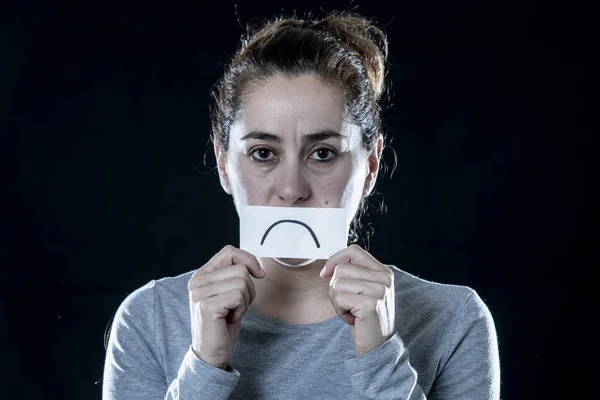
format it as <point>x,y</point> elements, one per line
<point>361,36</point>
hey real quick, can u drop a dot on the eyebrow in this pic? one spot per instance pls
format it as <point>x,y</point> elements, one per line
<point>310,138</point>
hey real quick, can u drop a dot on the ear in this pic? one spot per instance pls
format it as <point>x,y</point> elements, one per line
<point>373,166</point>
<point>221,157</point>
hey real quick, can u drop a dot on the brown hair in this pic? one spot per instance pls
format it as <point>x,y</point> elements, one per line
<point>343,49</point>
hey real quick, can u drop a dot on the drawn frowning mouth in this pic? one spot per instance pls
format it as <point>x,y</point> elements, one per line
<point>292,221</point>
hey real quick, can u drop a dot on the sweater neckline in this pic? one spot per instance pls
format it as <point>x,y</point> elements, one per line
<point>265,320</point>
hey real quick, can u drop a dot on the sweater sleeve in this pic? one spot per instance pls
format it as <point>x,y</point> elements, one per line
<point>133,368</point>
<point>385,373</point>
<point>470,370</point>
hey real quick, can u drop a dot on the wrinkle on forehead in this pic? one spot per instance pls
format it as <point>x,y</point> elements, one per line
<point>291,107</point>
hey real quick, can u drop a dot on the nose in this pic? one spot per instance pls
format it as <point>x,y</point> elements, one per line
<point>292,187</point>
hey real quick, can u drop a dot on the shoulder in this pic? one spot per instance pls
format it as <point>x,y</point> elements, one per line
<point>157,290</point>
<point>138,300</point>
<point>173,285</point>
<point>425,296</point>
<point>423,291</point>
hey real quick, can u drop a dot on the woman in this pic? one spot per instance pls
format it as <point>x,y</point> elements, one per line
<point>297,124</point>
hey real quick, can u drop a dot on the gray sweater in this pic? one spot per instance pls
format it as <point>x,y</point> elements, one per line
<point>445,347</point>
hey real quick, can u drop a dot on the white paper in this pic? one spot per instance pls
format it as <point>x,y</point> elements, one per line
<point>292,232</point>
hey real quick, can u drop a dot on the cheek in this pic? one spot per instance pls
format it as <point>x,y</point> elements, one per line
<point>248,185</point>
<point>353,192</point>
<point>343,187</point>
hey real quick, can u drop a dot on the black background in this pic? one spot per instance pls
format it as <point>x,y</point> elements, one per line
<point>105,125</point>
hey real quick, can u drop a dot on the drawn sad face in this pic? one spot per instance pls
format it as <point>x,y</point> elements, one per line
<point>297,261</point>
<point>291,221</point>
<point>301,233</point>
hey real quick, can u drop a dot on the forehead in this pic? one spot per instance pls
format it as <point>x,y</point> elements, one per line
<point>293,106</point>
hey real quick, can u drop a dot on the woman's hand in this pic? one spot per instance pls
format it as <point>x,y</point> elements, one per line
<point>220,293</point>
<point>362,293</point>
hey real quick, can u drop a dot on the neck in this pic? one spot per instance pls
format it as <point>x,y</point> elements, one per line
<point>291,287</point>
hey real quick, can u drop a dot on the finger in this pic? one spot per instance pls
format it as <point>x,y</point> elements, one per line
<point>222,274</point>
<point>219,306</point>
<point>343,312</point>
<point>359,272</point>
<point>356,286</point>
<point>352,254</point>
<point>231,255</point>
<point>359,305</point>
<point>217,288</point>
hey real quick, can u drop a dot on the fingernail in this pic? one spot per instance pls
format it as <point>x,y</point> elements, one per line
<point>322,271</point>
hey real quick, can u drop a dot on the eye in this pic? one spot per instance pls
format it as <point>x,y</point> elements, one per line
<point>323,155</point>
<point>262,155</point>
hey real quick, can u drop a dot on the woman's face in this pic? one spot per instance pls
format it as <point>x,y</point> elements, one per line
<point>293,147</point>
